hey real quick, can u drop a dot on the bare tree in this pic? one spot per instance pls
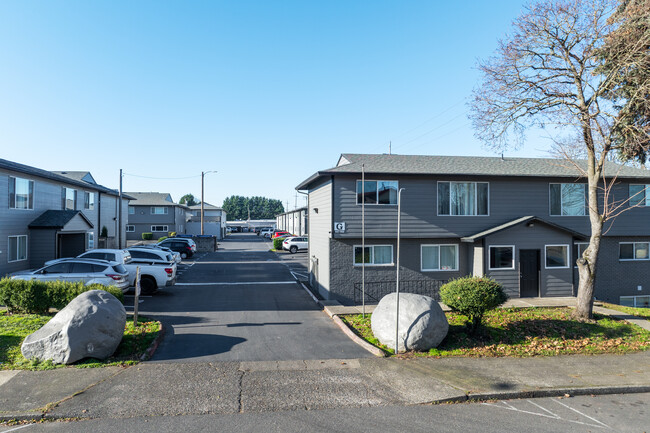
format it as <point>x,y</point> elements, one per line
<point>566,66</point>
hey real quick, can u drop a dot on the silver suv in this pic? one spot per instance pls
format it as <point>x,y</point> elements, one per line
<point>89,271</point>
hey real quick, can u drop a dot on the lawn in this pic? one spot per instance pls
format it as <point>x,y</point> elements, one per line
<point>15,327</point>
<point>522,332</point>
<point>638,312</point>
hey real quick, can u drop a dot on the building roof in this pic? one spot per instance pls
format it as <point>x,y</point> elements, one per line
<point>522,220</point>
<point>82,176</point>
<point>153,199</point>
<point>56,177</point>
<point>56,219</point>
<point>206,206</point>
<point>351,163</point>
<point>300,209</point>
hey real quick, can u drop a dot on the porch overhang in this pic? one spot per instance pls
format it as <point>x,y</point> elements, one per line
<point>522,220</point>
<point>62,221</point>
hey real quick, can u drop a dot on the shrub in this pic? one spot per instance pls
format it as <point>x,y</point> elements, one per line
<point>32,296</point>
<point>162,238</point>
<point>147,236</point>
<point>277,243</point>
<point>104,233</point>
<point>473,297</point>
<point>172,235</point>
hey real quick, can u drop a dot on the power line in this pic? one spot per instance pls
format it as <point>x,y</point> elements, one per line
<point>430,119</point>
<point>432,130</point>
<point>441,136</point>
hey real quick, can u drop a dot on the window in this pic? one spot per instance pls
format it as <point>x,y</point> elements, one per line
<point>580,248</point>
<point>159,210</point>
<point>633,251</point>
<point>68,198</point>
<point>21,193</point>
<point>58,268</point>
<point>463,198</point>
<point>439,257</point>
<point>374,255</point>
<point>159,228</point>
<point>130,228</point>
<point>502,257</point>
<point>90,240</point>
<point>89,200</point>
<point>131,210</point>
<point>635,301</point>
<point>378,192</point>
<point>557,256</point>
<point>17,248</point>
<point>568,199</point>
<point>639,195</point>
<point>81,268</point>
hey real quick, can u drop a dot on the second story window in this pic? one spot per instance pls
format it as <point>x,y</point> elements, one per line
<point>568,199</point>
<point>639,195</point>
<point>68,198</point>
<point>131,210</point>
<point>21,193</point>
<point>378,192</point>
<point>463,198</point>
<point>89,200</point>
<point>159,210</point>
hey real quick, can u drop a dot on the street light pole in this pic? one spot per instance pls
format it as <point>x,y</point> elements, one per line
<point>399,221</point>
<point>203,173</point>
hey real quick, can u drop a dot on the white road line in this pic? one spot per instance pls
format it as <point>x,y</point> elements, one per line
<point>18,428</point>
<point>578,412</point>
<point>509,407</point>
<point>542,408</point>
<point>237,283</point>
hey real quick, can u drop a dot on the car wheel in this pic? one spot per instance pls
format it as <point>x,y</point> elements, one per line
<point>147,285</point>
<point>183,255</point>
<point>293,249</point>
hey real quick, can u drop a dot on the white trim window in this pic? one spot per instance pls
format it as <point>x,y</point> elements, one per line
<point>629,251</point>
<point>131,210</point>
<point>642,301</point>
<point>159,210</point>
<point>21,193</point>
<point>639,195</point>
<point>438,257</point>
<point>501,257</point>
<point>17,248</point>
<point>463,198</point>
<point>89,200</point>
<point>130,228</point>
<point>68,198</point>
<point>159,228</point>
<point>556,256</point>
<point>580,249</point>
<point>567,199</point>
<point>375,255</point>
<point>378,192</point>
<point>90,240</point>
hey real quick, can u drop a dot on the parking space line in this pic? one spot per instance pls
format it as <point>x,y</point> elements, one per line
<point>236,283</point>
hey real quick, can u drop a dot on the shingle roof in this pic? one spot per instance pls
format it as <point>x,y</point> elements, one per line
<point>467,165</point>
<point>33,171</point>
<point>81,176</point>
<point>56,219</point>
<point>509,224</point>
<point>206,206</point>
<point>152,199</point>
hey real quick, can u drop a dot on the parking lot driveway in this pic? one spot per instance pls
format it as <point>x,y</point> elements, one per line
<point>242,303</point>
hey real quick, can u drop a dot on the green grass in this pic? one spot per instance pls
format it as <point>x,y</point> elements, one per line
<point>638,312</point>
<point>521,332</point>
<point>15,327</point>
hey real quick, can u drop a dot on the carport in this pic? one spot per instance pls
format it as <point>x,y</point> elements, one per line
<point>58,233</point>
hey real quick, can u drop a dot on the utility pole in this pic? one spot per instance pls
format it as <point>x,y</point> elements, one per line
<point>202,200</point>
<point>119,216</point>
<point>390,144</point>
<point>399,223</point>
<point>363,240</point>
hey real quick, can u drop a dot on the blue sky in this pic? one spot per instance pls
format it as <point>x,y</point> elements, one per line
<point>263,92</point>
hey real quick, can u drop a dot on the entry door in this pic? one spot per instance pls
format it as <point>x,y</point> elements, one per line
<point>528,273</point>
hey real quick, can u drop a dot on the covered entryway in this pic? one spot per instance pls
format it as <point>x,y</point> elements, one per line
<point>59,233</point>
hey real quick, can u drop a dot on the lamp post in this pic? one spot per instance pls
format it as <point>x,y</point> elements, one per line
<point>399,220</point>
<point>203,173</point>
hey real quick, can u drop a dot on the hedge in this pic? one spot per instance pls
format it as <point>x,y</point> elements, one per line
<point>162,238</point>
<point>277,243</point>
<point>473,297</point>
<point>33,296</point>
<point>147,236</point>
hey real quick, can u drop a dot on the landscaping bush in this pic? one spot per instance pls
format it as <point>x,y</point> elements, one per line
<point>172,235</point>
<point>104,233</point>
<point>147,236</point>
<point>277,243</point>
<point>162,238</point>
<point>39,296</point>
<point>473,297</point>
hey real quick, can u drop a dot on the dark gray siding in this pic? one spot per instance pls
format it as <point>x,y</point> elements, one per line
<point>509,200</point>
<point>143,219</point>
<point>42,247</point>
<point>319,241</point>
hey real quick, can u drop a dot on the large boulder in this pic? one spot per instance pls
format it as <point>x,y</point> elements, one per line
<point>91,325</point>
<point>422,323</point>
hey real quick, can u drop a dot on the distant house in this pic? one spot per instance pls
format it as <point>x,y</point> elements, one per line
<point>214,220</point>
<point>46,215</point>
<point>294,221</point>
<point>154,212</point>
<point>521,221</point>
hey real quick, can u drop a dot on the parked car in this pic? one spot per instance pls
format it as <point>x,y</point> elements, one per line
<point>266,233</point>
<point>279,233</point>
<point>89,271</point>
<point>152,255</point>
<point>181,246</point>
<point>295,244</point>
<point>157,269</point>
<point>111,255</point>
<point>176,255</point>
<point>190,242</point>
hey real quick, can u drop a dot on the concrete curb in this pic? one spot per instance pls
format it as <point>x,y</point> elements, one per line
<point>154,345</point>
<point>360,341</point>
<point>310,294</point>
<point>541,393</point>
<point>27,416</point>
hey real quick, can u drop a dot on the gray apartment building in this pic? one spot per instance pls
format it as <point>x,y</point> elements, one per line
<point>214,220</point>
<point>521,221</point>
<point>154,212</point>
<point>46,215</point>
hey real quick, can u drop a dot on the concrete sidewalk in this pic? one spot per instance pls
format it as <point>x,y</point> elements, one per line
<point>155,389</point>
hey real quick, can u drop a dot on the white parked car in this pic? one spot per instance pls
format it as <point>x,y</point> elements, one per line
<point>176,255</point>
<point>295,244</point>
<point>89,271</point>
<point>266,233</point>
